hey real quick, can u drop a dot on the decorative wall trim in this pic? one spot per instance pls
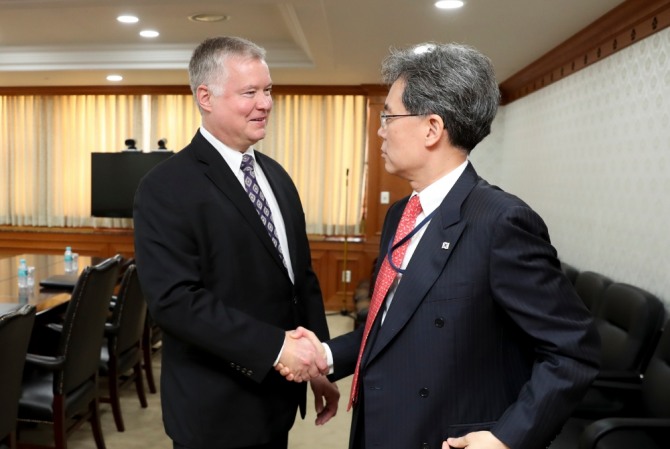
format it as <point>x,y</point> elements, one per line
<point>628,23</point>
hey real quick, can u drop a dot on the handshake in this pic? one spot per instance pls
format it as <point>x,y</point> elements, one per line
<point>303,357</point>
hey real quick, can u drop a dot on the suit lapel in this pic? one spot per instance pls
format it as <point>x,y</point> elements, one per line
<point>277,183</point>
<point>428,261</point>
<point>220,174</point>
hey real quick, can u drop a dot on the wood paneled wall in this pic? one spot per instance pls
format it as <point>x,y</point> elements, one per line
<point>330,258</point>
<point>103,242</point>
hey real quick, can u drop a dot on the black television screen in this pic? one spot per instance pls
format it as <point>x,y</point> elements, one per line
<point>115,177</point>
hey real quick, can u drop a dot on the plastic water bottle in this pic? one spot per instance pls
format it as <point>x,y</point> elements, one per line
<point>23,274</point>
<point>68,259</point>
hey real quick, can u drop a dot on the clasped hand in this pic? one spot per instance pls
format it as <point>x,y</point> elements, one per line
<point>303,357</point>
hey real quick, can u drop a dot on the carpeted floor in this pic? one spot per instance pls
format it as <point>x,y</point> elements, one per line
<point>144,427</point>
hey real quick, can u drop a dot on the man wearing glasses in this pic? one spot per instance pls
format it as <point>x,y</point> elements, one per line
<point>474,338</point>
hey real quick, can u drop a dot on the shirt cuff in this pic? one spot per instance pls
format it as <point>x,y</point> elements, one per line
<point>329,358</point>
<point>274,365</point>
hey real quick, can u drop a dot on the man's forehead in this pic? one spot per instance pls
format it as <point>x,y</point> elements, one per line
<point>394,97</point>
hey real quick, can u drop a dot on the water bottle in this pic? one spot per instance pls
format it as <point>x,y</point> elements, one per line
<point>23,274</point>
<point>68,259</point>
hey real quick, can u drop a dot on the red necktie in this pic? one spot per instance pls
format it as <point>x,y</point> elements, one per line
<point>385,278</point>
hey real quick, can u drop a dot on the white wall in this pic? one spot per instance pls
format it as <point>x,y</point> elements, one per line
<point>591,154</point>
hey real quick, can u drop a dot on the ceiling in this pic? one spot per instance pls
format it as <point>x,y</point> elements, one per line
<point>308,42</point>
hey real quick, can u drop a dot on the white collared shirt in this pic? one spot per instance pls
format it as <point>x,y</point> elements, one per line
<point>430,198</point>
<point>234,160</point>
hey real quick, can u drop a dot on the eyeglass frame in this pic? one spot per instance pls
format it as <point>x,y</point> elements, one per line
<point>383,117</point>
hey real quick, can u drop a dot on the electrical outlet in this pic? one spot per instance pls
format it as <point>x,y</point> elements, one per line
<point>385,197</point>
<point>346,276</point>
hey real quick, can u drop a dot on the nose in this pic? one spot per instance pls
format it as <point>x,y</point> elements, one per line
<point>380,131</point>
<point>265,101</point>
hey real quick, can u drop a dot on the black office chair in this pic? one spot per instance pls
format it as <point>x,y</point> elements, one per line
<point>122,353</point>
<point>62,389</point>
<point>15,330</point>
<point>642,420</point>
<point>152,340</point>
<point>629,323</point>
<point>590,287</point>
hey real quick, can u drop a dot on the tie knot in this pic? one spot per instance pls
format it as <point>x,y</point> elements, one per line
<point>413,208</point>
<point>247,163</point>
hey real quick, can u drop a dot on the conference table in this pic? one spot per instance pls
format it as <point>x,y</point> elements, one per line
<point>47,266</point>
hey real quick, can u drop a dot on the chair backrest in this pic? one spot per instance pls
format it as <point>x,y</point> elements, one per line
<point>656,381</point>
<point>629,321</point>
<point>130,312</point>
<point>15,330</point>
<point>84,325</point>
<point>590,287</point>
<point>570,272</point>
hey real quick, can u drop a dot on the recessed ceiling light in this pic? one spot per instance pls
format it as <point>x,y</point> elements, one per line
<point>114,78</point>
<point>208,17</point>
<point>149,33</point>
<point>127,19</point>
<point>449,4</point>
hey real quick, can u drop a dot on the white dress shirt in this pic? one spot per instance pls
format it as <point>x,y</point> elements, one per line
<point>234,160</point>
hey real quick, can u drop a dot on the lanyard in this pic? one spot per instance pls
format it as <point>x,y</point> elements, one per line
<point>400,242</point>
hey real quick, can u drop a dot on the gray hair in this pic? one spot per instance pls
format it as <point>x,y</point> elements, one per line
<point>207,63</point>
<point>454,81</point>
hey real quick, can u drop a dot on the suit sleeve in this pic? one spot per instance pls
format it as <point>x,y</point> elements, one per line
<point>527,283</point>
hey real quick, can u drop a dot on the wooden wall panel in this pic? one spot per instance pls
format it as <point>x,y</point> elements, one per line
<point>328,257</point>
<point>85,241</point>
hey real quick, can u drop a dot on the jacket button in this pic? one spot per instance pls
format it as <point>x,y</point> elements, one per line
<point>295,300</point>
<point>423,392</point>
<point>425,446</point>
<point>439,322</point>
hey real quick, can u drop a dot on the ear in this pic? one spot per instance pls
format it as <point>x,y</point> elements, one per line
<point>204,97</point>
<point>436,130</point>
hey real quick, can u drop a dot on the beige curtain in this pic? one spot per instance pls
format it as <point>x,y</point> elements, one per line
<point>46,144</point>
<point>320,141</point>
<point>45,148</point>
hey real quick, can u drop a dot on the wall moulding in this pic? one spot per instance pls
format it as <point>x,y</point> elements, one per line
<point>630,22</point>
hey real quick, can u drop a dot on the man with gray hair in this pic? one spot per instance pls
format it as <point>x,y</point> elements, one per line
<point>474,337</point>
<point>225,265</point>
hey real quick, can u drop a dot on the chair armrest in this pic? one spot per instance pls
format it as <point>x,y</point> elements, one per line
<point>598,429</point>
<point>618,376</point>
<point>45,361</point>
<point>615,384</point>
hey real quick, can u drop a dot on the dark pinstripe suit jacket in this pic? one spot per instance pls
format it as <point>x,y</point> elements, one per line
<point>215,284</point>
<point>485,332</point>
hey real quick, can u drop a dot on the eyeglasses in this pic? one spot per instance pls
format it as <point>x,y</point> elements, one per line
<point>385,117</point>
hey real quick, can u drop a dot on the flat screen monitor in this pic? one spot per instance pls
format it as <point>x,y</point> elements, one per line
<point>115,177</point>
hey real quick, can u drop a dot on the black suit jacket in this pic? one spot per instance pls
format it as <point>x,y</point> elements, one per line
<point>484,332</point>
<point>216,286</point>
